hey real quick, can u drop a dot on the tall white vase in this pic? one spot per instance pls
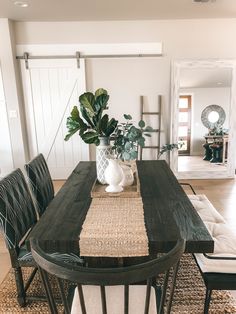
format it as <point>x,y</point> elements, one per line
<point>113,176</point>
<point>102,152</point>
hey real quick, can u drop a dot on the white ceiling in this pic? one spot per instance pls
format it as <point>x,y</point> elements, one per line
<point>97,10</point>
<point>205,78</point>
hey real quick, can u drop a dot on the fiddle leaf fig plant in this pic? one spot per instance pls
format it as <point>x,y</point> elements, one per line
<point>128,137</point>
<point>89,120</point>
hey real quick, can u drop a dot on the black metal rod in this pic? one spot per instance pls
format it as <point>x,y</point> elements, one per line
<point>103,299</point>
<point>81,298</point>
<point>126,303</point>
<point>148,293</point>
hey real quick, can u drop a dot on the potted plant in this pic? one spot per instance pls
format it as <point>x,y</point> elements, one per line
<point>128,137</point>
<point>93,126</point>
<point>126,140</point>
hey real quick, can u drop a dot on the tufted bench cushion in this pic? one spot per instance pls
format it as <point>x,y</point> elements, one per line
<point>224,238</point>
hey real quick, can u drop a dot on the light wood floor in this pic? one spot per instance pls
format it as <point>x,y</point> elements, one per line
<point>196,163</point>
<point>222,193</point>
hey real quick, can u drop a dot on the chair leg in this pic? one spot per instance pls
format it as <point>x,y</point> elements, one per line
<point>207,301</point>
<point>172,288</point>
<point>21,295</point>
<point>48,291</point>
<point>163,293</point>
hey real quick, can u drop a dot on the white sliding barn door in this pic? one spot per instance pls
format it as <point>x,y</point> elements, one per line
<point>51,89</point>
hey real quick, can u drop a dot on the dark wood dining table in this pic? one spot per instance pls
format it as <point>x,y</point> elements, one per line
<point>168,213</point>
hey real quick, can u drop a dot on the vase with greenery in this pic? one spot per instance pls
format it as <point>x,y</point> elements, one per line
<point>93,125</point>
<point>128,137</point>
<point>126,140</point>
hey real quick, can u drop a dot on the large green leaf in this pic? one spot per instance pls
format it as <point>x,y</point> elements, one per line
<point>86,116</point>
<point>75,113</point>
<point>83,129</point>
<point>111,126</point>
<point>99,92</point>
<point>90,137</point>
<point>74,123</point>
<point>101,103</point>
<point>75,116</point>
<point>72,126</point>
<point>87,100</point>
<point>68,136</point>
<point>103,124</point>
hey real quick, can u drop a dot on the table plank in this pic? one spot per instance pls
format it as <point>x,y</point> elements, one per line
<point>168,212</point>
<point>60,225</point>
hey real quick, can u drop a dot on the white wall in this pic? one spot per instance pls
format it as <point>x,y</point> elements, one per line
<point>12,97</point>
<point>201,98</point>
<point>127,79</point>
<point>6,162</point>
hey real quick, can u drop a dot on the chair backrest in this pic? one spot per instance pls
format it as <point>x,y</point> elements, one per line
<point>17,211</point>
<point>40,182</point>
<point>107,276</point>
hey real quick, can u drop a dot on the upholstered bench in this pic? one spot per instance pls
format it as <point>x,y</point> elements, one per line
<point>219,268</point>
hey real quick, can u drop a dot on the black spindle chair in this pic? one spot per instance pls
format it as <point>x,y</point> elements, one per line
<point>40,182</point>
<point>124,277</point>
<point>17,217</point>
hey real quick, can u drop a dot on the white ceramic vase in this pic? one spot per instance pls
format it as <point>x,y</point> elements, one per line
<point>128,177</point>
<point>103,151</point>
<point>113,176</point>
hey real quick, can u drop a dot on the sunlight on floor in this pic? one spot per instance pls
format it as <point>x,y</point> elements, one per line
<point>196,163</point>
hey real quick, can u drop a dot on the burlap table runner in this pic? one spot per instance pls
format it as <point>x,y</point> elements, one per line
<point>114,227</point>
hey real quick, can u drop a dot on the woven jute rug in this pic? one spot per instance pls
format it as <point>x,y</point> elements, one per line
<point>188,297</point>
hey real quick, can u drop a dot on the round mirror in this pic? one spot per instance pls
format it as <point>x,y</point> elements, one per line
<point>213,116</point>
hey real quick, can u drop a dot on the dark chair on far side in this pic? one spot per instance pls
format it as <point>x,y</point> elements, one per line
<point>40,182</point>
<point>17,217</point>
<point>97,290</point>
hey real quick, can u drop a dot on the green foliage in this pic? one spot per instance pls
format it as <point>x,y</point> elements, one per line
<point>169,147</point>
<point>128,138</point>
<point>89,120</point>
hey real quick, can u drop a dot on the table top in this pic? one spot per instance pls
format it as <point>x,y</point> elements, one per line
<point>168,212</point>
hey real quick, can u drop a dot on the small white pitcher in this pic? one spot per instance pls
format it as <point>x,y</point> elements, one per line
<point>113,176</point>
<point>128,176</point>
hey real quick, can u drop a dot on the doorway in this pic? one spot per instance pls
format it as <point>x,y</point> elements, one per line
<point>184,124</point>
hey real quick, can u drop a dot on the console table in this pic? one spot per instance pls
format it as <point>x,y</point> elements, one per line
<point>216,147</point>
